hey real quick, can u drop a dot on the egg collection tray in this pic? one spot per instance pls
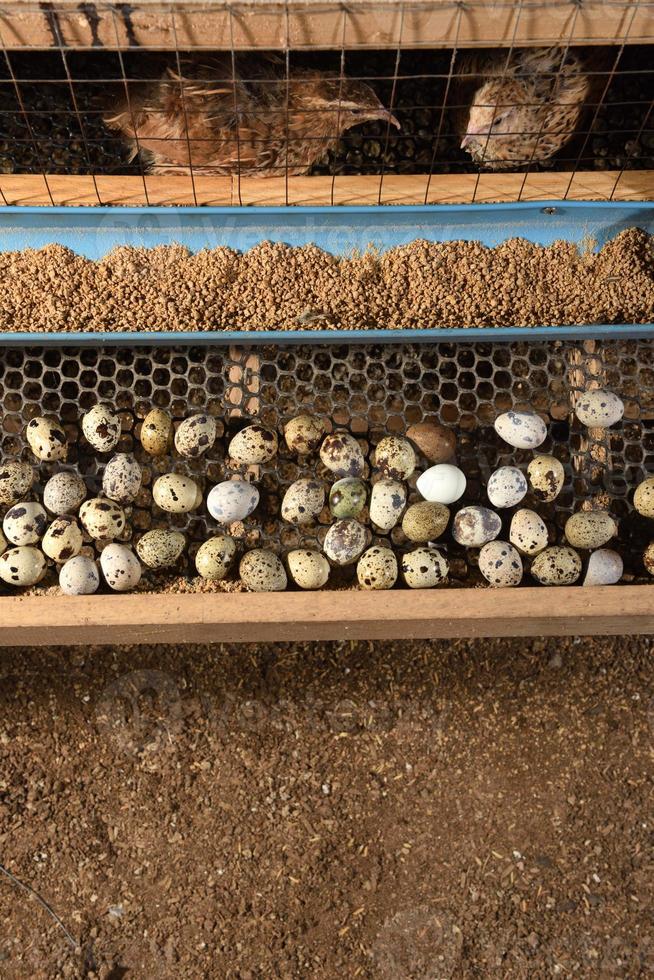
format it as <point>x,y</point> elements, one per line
<point>372,390</point>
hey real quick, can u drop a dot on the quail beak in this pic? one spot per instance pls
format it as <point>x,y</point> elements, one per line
<point>471,136</point>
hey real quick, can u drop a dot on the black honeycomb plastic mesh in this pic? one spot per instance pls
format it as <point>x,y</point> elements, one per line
<point>372,391</point>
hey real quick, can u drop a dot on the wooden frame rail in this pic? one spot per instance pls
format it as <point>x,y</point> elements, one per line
<point>244,617</point>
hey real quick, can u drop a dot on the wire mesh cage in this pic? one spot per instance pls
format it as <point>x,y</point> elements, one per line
<point>325,103</point>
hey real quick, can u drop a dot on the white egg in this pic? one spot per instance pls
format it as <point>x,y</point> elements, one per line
<point>79,576</point>
<point>605,567</point>
<point>522,430</point>
<point>506,487</point>
<point>232,500</point>
<point>441,484</point>
<point>599,409</point>
<point>120,567</point>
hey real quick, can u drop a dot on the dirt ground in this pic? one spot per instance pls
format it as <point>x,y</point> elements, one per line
<point>422,810</point>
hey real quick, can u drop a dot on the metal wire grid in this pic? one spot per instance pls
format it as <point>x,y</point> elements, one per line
<point>372,391</point>
<point>81,83</point>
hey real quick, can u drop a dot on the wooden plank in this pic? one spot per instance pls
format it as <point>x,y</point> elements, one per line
<point>32,189</point>
<point>322,24</point>
<point>244,617</point>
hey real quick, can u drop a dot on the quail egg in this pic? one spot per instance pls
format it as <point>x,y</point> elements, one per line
<point>648,558</point>
<point>25,523</point>
<point>101,428</point>
<point>522,430</point>
<point>377,569</point>
<point>79,576</point>
<point>254,444</point>
<point>102,519</point>
<point>590,529</point>
<point>436,442</point>
<point>347,497</point>
<point>64,492</point>
<point>215,557</point>
<point>341,454</point>
<point>157,432</point>
<point>22,566</point>
<point>122,477</point>
<point>120,567</point>
<point>387,501</point>
<point>47,439</point>
<point>506,487</point>
<point>425,521</point>
<point>3,543</point>
<point>644,497</point>
<point>161,547</point>
<point>309,569</point>
<point>195,436</point>
<point>605,567</point>
<point>262,571</point>
<point>303,502</point>
<point>176,494</point>
<point>475,526</point>
<point>424,568</point>
<point>344,541</point>
<point>16,480</point>
<point>528,532</point>
<point>232,500</point>
<point>599,409</point>
<point>441,484</point>
<point>557,565</point>
<point>63,539</point>
<point>303,434</point>
<point>395,457</point>
<point>546,475</point>
<point>500,564</point>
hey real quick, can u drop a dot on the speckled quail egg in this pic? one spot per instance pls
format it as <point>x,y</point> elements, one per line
<point>599,409</point>
<point>23,566</point>
<point>63,539</point>
<point>161,547</point>
<point>195,436</point>
<point>262,571</point>
<point>102,519</point>
<point>387,501</point>
<point>528,532</point>
<point>157,432</point>
<point>436,442</point>
<point>522,430</point>
<point>500,564</point>
<point>121,480</point>
<point>590,529</point>
<point>347,497</point>
<point>25,523</point>
<point>79,576</point>
<point>232,500</point>
<point>395,457</point>
<point>309,569</point>
<point>303,501</point>
<point>441,484</point>
<point>254,444</point>
<point>557,565</point>
<point>546,475</point>
<point>215,557</point>
<point>64,492</point>
<point>303,434</point>
<point>506,487</point>
<point>344,541</point>
<point>425,521</point>
<point>475,526</point>
<point>102,428</point>
<point>176,494</point>
<point>120,567</point>
<point>4,544</point>
<point>377,569</point>
<point>605,567</point>
<point>341,454</point>
<point>424,568</point>
<point>644,497</point>
<point>16,480</point>
<point>47,439</point>
<point>648,558</point>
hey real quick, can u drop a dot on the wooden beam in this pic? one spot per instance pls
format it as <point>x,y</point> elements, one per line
<point>324,24</point>
<point>32,189</point>
<point>243,617</point>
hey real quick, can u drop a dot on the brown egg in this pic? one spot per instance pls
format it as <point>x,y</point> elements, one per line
<point>436,442</point>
